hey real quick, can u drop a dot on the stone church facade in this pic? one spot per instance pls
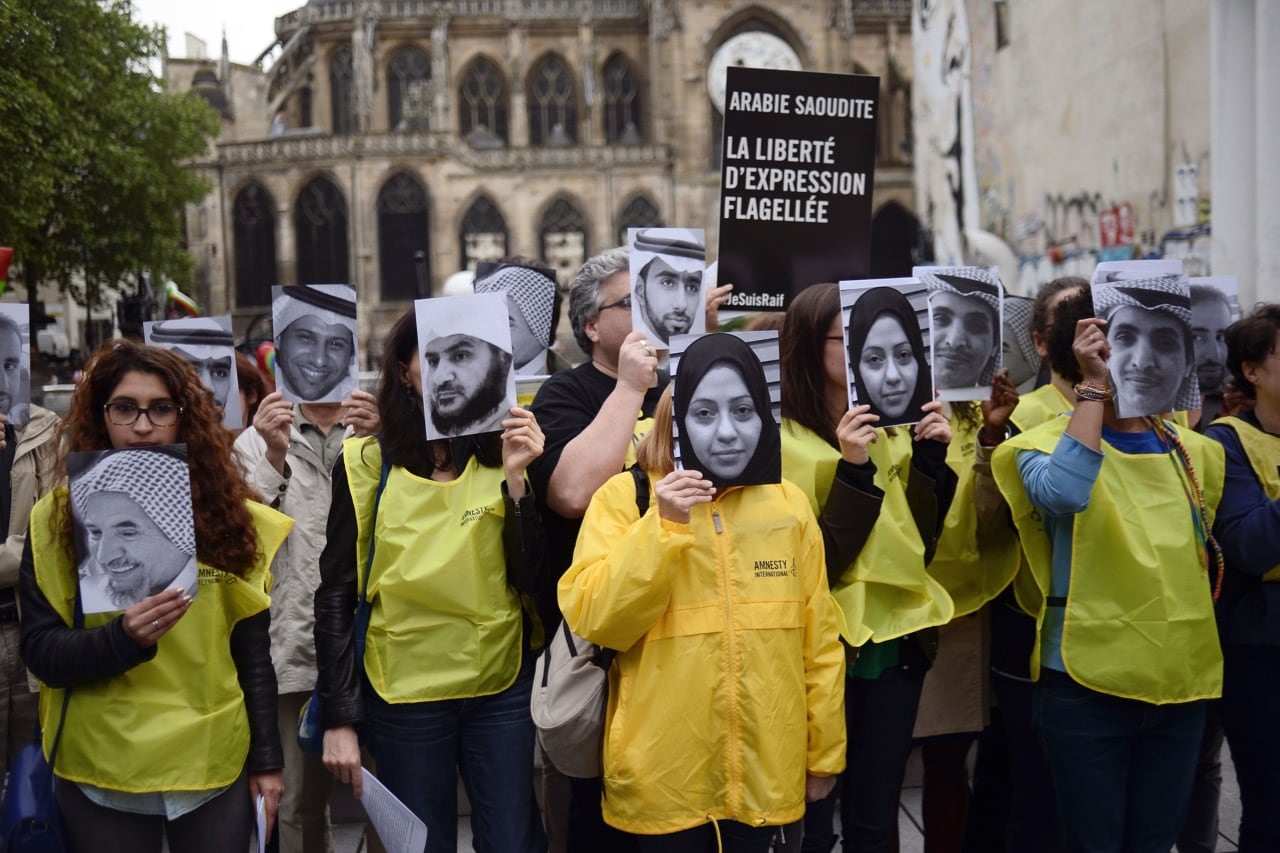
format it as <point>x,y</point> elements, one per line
<point>393,143</point>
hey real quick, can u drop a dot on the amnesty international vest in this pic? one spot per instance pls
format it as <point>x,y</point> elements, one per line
<point>176,722</point>
<point>443,622</point>
<point>973,568</point>
<point>886,592</point>
<point>1263,451</point>
<point>1139,620</point>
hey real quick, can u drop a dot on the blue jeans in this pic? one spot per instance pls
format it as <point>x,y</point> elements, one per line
<point>1122,769</point>
<point>420,747</point>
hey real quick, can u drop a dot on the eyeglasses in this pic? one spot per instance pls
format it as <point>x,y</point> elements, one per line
<point>624,302</point>
<point>159,414</point>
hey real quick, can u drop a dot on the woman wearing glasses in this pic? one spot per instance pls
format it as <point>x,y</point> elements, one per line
<point>171,722</point>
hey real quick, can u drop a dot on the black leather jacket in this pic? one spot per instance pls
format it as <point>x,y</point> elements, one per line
<point>340,678</point>
<point>61,656</point>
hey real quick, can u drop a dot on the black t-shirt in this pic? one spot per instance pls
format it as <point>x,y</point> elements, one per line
<point>564,406</point>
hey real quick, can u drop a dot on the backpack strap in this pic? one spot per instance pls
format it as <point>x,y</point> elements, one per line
<point>642,488</point>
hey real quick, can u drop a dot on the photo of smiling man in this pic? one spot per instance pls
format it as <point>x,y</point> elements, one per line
<point>468,384</point>
<point>208,344</point>
<point>966,308</point>
<point>135,532</point>
<point>315,337</point>
<point>667,268</point>
<point>1152,362</point>
<point>15,362</point>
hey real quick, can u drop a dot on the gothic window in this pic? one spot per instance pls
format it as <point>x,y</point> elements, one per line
<point>341,92</point>
<point>304,107</point>
<point>639,213</point>
<point>254,230</point>
<point>482,106</point>
<point>484,233</point>
<point>409,90</point>
<point>564,238</point>
<point>553,103</point>
<point>320,222</point>
<point>402,234</point>
<point>622,118</point>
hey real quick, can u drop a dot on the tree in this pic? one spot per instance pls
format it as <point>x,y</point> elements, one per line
<point>92,148</point>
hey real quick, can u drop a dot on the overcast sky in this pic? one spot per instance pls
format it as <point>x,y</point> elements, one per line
<point>250,24</point>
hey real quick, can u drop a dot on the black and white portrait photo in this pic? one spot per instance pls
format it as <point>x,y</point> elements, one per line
<point>15,362</point>
<point>531,297</point>
<point>207,343</point>
<point>886,324</point>
<point>725,409</point>
<point>1215,305</point>
<point>468,384</point>
<point>135,532</point>
<point>1152,363</point>
<point>315,337</point>
<point>966,326</point>
<point>1019,349</point>
<point>667,267</point>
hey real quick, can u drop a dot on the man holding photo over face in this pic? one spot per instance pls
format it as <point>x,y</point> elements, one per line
<point>965,307</point>
<point>208,344</point>
<point>134,509</point>
<point>467,383</point>
<point>667,266</point>
<point>1152,362</point>
<point>315,337</point>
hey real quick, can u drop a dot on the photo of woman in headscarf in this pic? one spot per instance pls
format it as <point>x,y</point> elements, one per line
<point>723,414</point>
<point>886,357</point>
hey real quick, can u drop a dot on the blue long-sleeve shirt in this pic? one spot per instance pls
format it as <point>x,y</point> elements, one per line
<point>1247,527</point>
<point>1059,486</point>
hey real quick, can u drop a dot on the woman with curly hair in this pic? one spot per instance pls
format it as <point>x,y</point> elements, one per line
<point>171,725</point>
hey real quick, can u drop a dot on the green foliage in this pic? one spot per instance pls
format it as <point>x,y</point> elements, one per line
<point>91,148</point>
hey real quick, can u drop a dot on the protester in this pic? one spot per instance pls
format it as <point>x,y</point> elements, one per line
<point>833,453</point>
<point>593,416</point>
<point>1248,527</point>
<point>288,455</point>
<point>700,625</point>
<point>28,456</point>
<point>155,686</point>
<point>1118,701</point>
<point>445,682</point>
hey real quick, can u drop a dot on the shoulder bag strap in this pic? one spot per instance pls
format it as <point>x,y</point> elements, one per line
<point>362,604</point>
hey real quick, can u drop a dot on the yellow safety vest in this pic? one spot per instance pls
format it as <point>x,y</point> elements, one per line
<point>1035,407</point>
<point>443,622</point>
<point>1263,451</point>
<point>176,722</point>
<point>1139,620</point>
<point>886,592</point>
<point>973,568</point>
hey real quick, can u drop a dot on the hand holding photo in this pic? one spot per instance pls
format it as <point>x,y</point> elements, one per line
<point>208,344</point>
<point>468,385</point>
<point>885,325</point>
<point>135,531</point>
<point>1152,362</point>
<point>531,298</point>
<point>966,308</point>
<point>667,279</point>
<point>15,362</point>
<point>724,415</point>
<point>315,338</point>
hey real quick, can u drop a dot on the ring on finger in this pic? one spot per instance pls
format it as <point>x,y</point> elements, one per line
<point>155,624</point>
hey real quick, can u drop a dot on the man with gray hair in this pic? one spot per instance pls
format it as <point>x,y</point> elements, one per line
<point>589,418</point>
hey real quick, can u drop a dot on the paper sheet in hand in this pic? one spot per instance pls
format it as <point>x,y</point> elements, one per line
<point>400,829</point>
<point>261,809</point>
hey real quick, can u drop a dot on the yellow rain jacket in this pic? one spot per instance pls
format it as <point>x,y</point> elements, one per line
<point>973,562</point>
<point>176,722</point>
<point>1139,612</point>
<point>1262,449</point>
<point>729,682</point>
<point>443,622</point>
<point>887,592</point>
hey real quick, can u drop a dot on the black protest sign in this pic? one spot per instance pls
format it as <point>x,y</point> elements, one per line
<point>796,182</point>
